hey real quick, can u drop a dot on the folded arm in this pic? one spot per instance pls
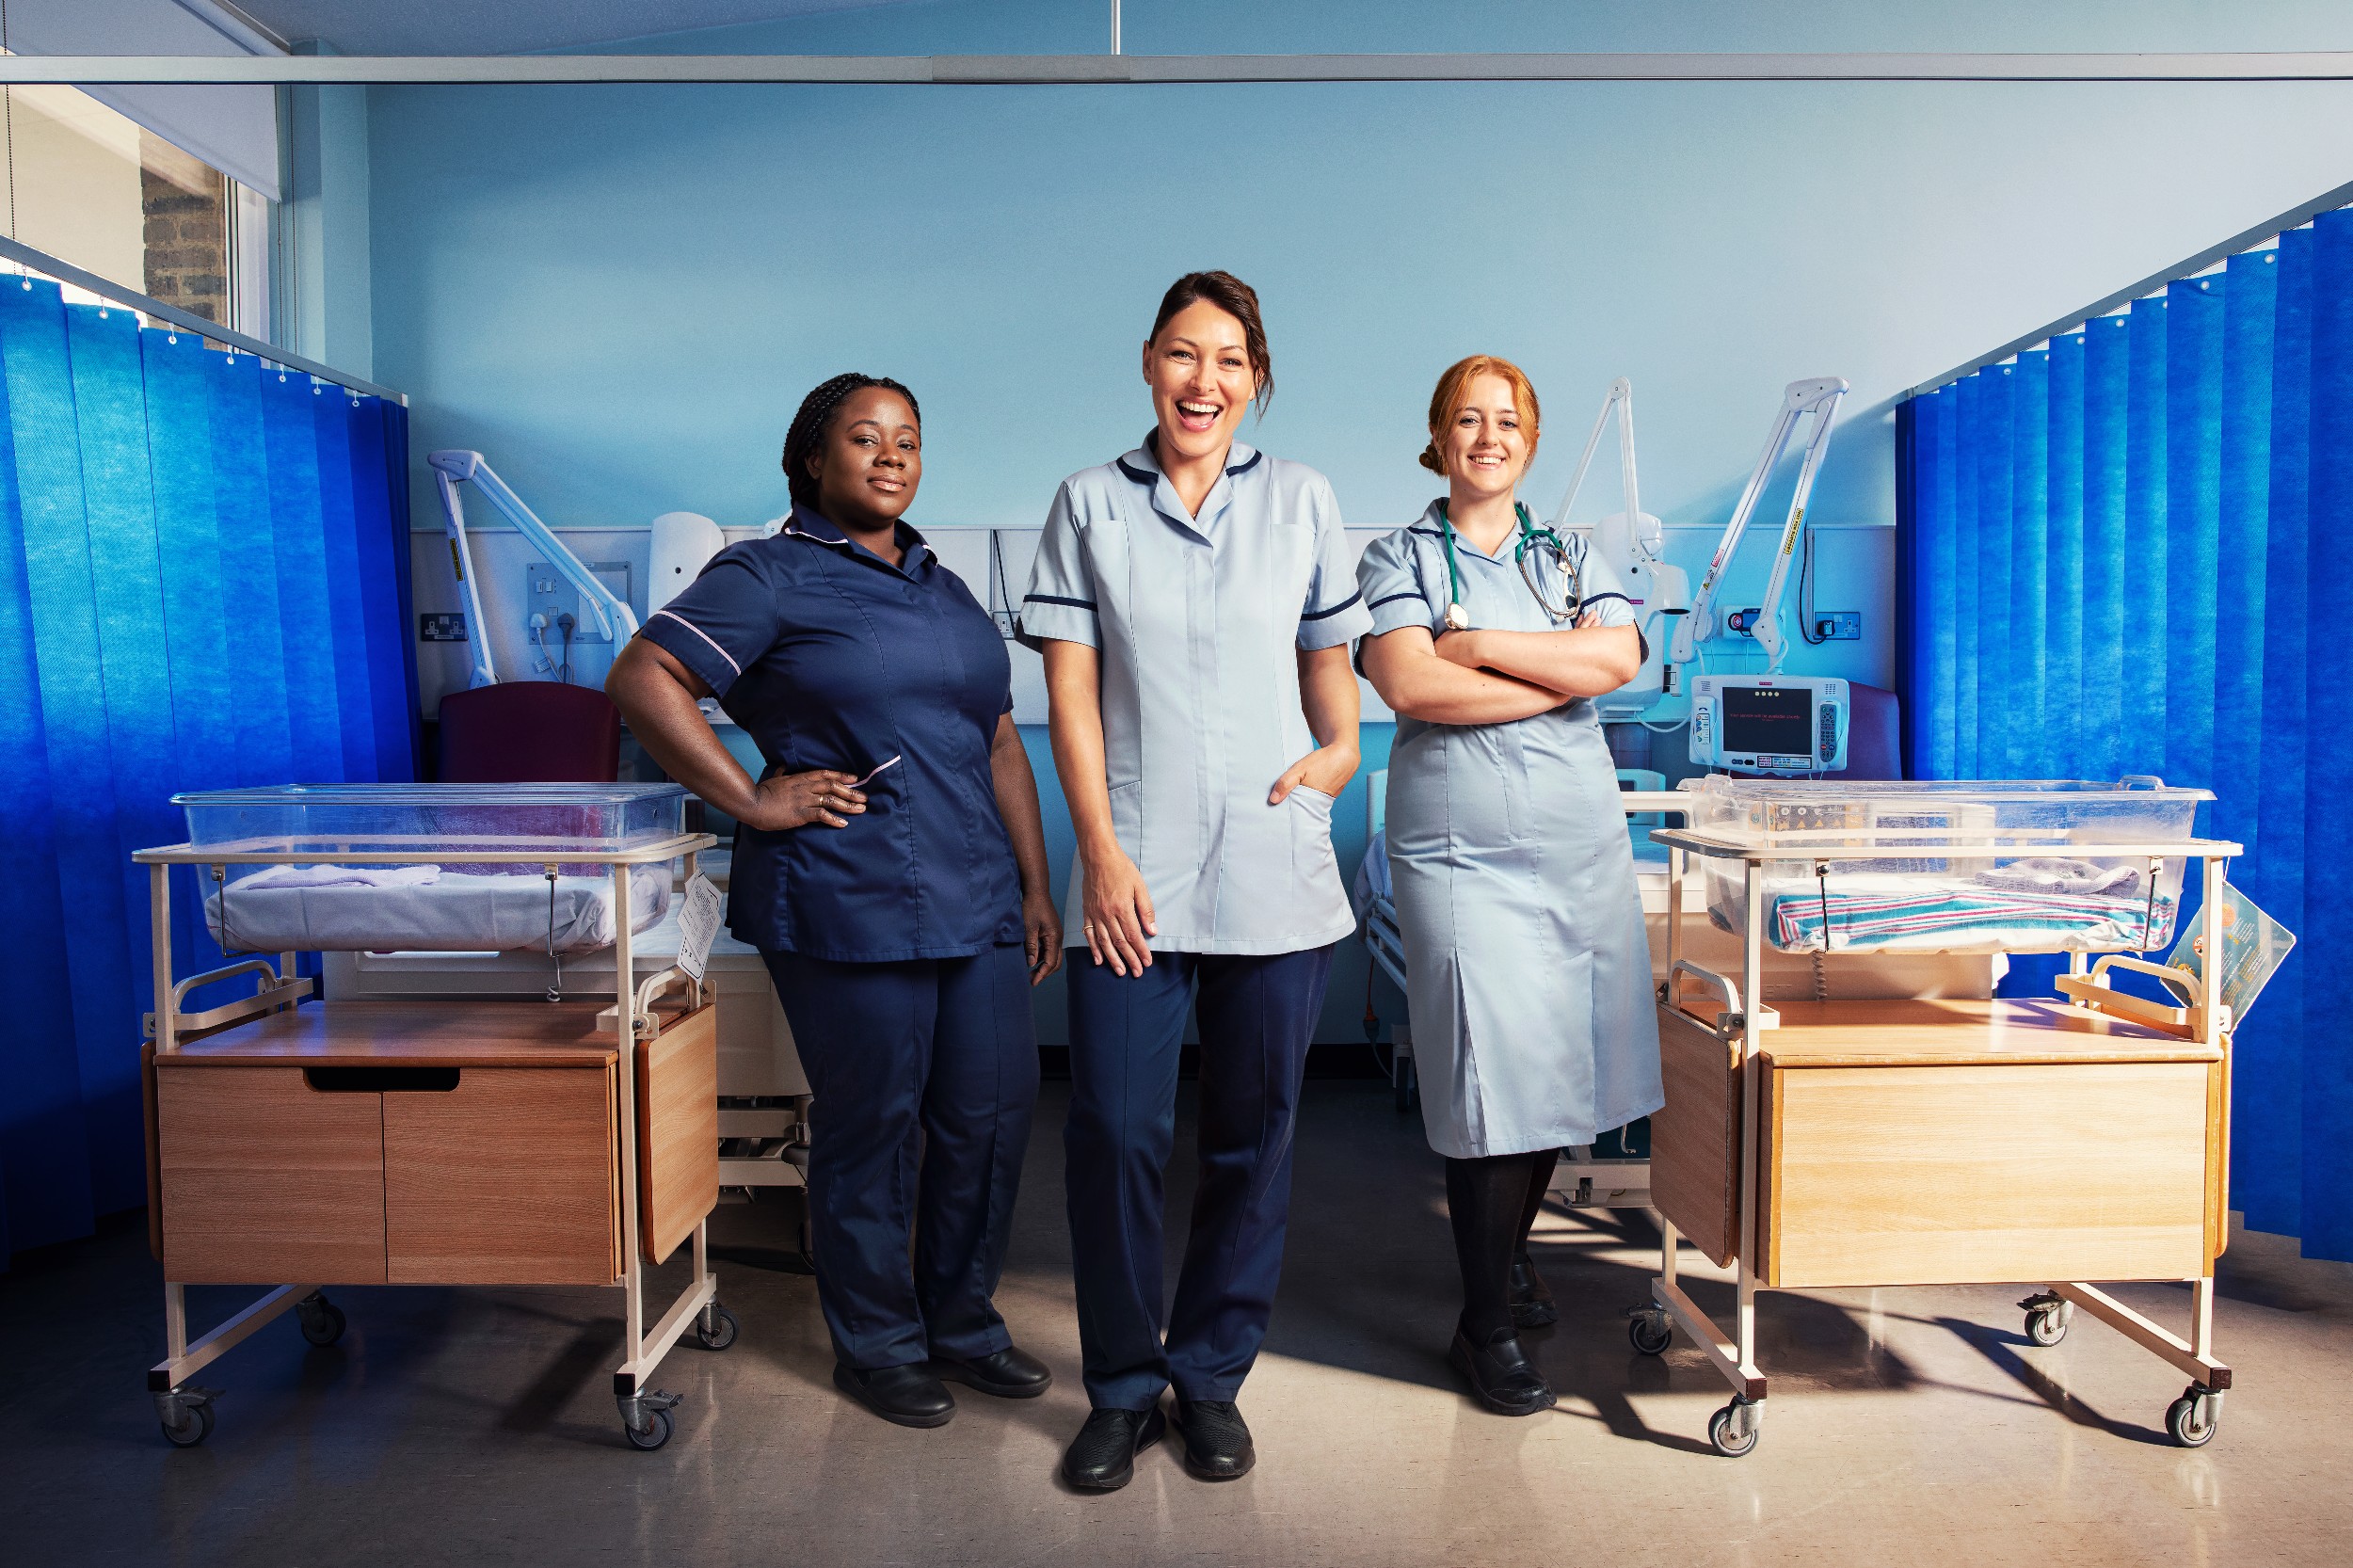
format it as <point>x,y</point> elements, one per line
<point>1583,660</point>
<point>1405,667</point>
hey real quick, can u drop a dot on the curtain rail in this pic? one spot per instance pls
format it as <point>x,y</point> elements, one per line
<point>2272,227</point>
<point>186,321</point>
<point>1113,70</point>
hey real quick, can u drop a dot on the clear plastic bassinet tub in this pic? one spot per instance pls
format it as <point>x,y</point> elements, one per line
<point>448,901</point>
<point>2052,885</point>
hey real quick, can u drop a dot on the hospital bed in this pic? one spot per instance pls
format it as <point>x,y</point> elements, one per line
<point>553,1141</point>
<point>1846,1142</point>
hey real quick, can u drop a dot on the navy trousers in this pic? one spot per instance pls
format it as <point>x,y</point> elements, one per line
<point>924,1072</point>
<point>1258,1016</point>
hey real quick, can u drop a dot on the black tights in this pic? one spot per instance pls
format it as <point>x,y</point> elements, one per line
<point>1492,1202</point>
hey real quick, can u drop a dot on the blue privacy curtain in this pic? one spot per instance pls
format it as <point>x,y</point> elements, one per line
<point>2110,549</point>
<point>203,582</point>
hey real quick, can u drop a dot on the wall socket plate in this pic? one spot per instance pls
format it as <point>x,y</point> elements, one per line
<point>549,593</point>
<point>441,626</point>
<point>1838,626</point>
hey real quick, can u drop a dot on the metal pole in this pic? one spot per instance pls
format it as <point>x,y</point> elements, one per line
<point>1114,26</point>
<point>625,1000</point>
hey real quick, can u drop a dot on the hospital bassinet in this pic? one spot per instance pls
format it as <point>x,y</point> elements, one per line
<point>1832,884</point>
<point>1862,1141</point>
<point>355,1142</point>
<point>311,897</point>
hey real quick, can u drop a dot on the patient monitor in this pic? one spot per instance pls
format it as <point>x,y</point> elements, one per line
<point>1776,724</point>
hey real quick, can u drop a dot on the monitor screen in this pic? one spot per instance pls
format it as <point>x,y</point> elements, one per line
<point>1777,720</point>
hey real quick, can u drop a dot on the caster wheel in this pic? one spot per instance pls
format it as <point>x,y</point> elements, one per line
<point>1650,1333</point>
<point>1733,1431</point>
<point>323,1321</point>
<point>194,1425</point>
<point>2193,1418</point>
<point>721,1334</point>
<point>656,1433</point>
<point>2046,1325</point>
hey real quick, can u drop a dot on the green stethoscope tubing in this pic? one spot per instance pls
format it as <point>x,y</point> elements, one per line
<point>1530,536</point>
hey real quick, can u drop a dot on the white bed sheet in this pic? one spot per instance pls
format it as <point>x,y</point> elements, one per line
<point>457,913</point>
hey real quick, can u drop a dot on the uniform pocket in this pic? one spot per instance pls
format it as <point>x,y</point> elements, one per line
<point>1128,818</point>
<point>1311,832</point>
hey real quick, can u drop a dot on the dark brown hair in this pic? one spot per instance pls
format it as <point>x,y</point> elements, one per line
<point>808,431</point>
<point>1237,299</point>
<point>1448,400</point>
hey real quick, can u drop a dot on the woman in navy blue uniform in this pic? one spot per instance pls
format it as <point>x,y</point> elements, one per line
<point>890,866</point>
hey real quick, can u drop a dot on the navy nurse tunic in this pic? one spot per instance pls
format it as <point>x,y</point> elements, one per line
<point>830,657</point>
<point>895,941</point>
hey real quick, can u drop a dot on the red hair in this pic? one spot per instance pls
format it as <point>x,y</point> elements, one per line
<point>1448,400</point>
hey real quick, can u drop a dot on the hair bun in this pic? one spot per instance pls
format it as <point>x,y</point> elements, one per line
<point>1430,459</point>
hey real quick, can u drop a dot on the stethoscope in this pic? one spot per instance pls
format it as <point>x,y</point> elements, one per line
<point>1528,554</point>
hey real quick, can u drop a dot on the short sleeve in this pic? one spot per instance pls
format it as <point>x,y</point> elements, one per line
<point>1605,598</point>
<point>724,622</point>
<point>1334,614</point>
<point>1060,605</point>
<point>1390,580</point>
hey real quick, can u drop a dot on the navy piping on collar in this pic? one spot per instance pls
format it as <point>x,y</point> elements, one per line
<point>1349,602</point>
<point>1053,599</point>
<point>1142,477</point>
<point>1392,599</point>
<point>1426,533</point>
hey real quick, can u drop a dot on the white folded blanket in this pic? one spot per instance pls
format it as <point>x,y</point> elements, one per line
<point>341,876</point>
<point>365,910</point>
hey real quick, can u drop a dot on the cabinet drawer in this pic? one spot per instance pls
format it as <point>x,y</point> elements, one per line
<point>1945,1175</point>
<point>265,1179</point>
<point>507,1178</point>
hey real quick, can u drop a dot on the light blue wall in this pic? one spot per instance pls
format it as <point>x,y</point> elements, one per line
<point>620,294</point>
<point>623,291</point>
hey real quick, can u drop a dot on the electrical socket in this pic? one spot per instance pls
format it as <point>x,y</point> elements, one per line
<point>441,626</point>
<point>547,592</point>
<point>1838,626</point>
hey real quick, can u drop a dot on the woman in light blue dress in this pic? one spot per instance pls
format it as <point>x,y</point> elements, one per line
<point>1531,987</point>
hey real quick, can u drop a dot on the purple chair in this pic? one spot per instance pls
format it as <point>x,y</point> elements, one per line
<point>530,732</point>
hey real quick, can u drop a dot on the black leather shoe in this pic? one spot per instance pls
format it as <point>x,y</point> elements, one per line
<point>1102,1458</point>
<point>1012,1373</point>
<point>1532,1298</point>
<point>1500,1376</point>
<point>910,1395</point>
<point>1217,1444</point>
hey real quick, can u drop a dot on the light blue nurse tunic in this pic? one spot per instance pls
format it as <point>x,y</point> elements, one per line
<point>1197,618</point>
<point>1528,968</point>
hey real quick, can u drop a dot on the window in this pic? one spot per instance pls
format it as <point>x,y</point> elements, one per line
<point>91,186</point>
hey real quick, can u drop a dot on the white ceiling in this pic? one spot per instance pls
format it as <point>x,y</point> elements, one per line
<point>508,27</point>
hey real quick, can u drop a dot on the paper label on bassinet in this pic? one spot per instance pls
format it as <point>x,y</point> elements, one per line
<point>698,923</point>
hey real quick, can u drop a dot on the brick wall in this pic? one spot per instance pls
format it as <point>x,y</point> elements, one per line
<point>187,236</point>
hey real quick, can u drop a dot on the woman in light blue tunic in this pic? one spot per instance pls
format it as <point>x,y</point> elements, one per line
<point>1195,603</point>
<point>1530,987</point>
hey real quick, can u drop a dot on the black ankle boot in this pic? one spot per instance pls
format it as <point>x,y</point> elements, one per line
<point>1532,1299</point>
<point>1500,1375</point>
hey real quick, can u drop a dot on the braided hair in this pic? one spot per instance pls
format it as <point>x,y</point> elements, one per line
<point>810,426</point>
